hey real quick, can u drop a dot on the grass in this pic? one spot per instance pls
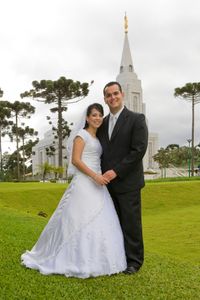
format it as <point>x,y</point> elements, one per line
<point>169,179</point>
<point>171,219</point>
<point>31,197</point>
<point>171,225</point>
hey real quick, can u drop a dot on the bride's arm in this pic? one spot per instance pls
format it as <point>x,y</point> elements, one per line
<point>77,151</point>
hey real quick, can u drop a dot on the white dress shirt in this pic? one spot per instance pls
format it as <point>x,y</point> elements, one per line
<point>112,121</point>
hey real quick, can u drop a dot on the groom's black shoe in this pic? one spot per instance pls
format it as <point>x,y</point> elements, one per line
<point>130,270</point>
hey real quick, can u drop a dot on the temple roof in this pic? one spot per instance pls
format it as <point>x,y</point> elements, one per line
<point>126,60</point>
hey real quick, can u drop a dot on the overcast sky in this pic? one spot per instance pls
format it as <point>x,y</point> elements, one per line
<point>83,40</point>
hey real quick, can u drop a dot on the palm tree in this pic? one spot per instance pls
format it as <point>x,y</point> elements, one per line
<point>57,170</point>
<point>46,168</point>
<point>190,92</point>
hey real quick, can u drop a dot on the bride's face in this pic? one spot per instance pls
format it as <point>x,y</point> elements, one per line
<point>95,118</point>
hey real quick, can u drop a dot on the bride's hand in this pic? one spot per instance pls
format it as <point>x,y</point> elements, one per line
<point>98,178</point>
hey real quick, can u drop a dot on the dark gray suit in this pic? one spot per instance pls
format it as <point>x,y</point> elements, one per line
<point>123,153</point>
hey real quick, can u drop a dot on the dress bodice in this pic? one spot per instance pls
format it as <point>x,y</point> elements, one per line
<point>92,151</point>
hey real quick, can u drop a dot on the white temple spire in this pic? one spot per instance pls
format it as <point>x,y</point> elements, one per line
<point>128,78</point>
<point>126,61</point>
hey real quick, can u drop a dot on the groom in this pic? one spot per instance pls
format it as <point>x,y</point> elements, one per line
<point>124,137</point>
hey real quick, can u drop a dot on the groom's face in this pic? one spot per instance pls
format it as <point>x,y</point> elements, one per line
<point>114,98</point>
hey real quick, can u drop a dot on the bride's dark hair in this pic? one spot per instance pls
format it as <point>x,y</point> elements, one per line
<point>96,106</point>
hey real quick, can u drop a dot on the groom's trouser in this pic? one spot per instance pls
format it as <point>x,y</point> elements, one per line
<point>128,207</point>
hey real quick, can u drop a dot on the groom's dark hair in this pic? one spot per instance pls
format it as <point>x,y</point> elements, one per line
<point>110,84</point>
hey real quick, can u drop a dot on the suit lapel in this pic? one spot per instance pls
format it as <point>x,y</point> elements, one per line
<point>120,122</point>
<point>106,120</point>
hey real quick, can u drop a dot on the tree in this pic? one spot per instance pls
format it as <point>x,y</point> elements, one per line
<point>50,151</point>
<point>190,92</point>
<point>1,93</point>
<point>56,171</point>
<point>20,109</point>
<point>163,159</point>
<point>28,148</point>
<point>172,146</point>
<point>11,166</point>
<point>3,174</point>
<point>23,134</point>
<point>60,92</point>
<point>46,168</point>
<point>5,114</point>
<point>176,156</point>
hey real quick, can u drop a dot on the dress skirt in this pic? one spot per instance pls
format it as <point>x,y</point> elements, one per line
<point>83,238</point>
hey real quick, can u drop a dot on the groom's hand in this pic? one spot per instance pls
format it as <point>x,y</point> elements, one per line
<point>110,175</point>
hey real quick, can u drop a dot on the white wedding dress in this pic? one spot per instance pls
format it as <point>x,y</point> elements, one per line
<point>83,238</point>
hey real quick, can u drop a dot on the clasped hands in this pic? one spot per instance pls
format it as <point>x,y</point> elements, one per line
<point>105,178</point>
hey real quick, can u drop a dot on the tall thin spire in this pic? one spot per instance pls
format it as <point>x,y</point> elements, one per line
<point>126,61</point>
<point>133,98</point>
<point>128,78</point>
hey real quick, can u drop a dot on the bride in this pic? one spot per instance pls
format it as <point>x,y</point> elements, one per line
<point>83,238</point>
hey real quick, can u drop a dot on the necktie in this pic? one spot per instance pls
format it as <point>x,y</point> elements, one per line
<point>111,125</point>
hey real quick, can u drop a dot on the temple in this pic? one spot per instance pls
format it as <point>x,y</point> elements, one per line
<point>132,88</point>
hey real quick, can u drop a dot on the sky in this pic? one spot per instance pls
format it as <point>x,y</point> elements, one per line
<point>83,40</point>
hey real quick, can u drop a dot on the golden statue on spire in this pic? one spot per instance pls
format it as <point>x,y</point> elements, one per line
<point>125,23</point>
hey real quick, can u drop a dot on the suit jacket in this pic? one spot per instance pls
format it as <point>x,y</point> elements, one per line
<point>124,152</point>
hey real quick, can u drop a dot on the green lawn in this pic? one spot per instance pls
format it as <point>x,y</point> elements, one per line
<point>171,222</point>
